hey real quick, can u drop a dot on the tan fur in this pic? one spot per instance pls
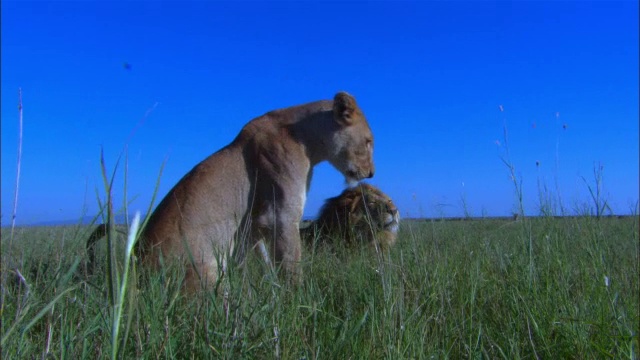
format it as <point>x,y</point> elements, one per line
<point>362,214</point>
<point>257,186</point>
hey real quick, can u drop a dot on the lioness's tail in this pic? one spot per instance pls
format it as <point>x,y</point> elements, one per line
<point>97,234</point>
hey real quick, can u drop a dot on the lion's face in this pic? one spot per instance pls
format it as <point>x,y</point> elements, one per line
<point>360,214</point>
<point>352,143</point>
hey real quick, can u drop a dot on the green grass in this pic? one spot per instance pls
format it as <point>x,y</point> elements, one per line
<point>448,289</point>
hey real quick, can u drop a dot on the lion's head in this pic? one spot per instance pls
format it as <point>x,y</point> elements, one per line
<point>361,214</point>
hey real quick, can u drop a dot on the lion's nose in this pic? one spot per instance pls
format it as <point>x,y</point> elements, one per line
<point>370,174</point>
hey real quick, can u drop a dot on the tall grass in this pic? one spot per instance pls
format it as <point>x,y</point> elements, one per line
<point>538,287</point>
<point>517,184</point>
<point>447,290</point>
<point>15,210</point>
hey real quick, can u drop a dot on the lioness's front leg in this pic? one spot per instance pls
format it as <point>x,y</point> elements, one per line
<point>282,240</point>
<point>277,224</point>
<point>287,250</point>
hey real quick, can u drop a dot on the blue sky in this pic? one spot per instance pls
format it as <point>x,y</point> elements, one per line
<point>430,76</point>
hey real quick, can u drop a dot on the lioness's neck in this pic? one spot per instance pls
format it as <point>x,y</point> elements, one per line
<point>315,132</point>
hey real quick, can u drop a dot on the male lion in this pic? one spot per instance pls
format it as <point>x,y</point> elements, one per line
<point>258,184</point>
<point>359,214</point>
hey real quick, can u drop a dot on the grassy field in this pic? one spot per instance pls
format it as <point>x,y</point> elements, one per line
<point>546,288</point>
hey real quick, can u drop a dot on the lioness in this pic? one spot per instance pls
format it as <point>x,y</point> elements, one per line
<point>362,214</point>
<point>259,183</point>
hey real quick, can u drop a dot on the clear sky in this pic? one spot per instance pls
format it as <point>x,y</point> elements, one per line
<point>176,81</point>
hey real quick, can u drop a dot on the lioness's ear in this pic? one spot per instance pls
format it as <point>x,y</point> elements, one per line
<point>344,107</point>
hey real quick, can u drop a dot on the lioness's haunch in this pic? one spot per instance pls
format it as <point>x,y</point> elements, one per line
<point>359,215</point>
<point>257,185</point>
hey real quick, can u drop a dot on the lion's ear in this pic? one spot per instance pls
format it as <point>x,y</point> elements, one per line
<point>355,203</point>
<point>344,107</point>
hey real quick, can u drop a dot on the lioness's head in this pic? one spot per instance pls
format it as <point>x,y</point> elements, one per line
<point>352,144</point>
<point>362,214</point>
